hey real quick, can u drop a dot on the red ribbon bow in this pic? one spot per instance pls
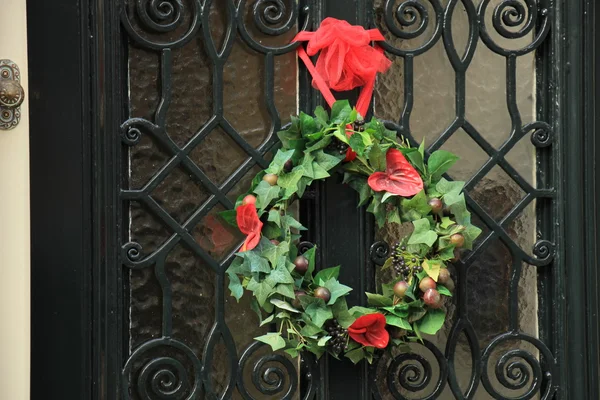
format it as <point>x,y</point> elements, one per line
<point>346,61</point>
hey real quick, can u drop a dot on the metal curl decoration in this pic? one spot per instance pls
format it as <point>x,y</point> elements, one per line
<point>407,15</point>
<point>413,372</point>
<point>517,368</point>
<point>132,251</point>
<point>131,136</point>
<point>268,379</point>
<point>544,251</point>
<point>269,18</point>
<point>303,247</point>
<point>512,14</point>
<point>379,252</point>
<point>163,378</point>
<point>542,135</point>
<point>160,15</point>
<point>163,16</point>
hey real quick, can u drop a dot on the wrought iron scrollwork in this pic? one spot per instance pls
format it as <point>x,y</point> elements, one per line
<point>160,377</point>
<point>379,252</point>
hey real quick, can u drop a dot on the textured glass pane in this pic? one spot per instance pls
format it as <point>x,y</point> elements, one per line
<point>207,93</point>
<point>450,87</point>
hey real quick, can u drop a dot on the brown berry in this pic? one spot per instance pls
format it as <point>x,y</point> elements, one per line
<point>250,199</point>
<point>400,288</point>
<point>296,302</point>
<point>436,205</point>
<point>323,293</point>
<point>450,285</point>
<point>271,179</point>
<point>426,284</point>
<point>456,255</point>
<point>275,242</point>
<point>457,239</point>
<point>432,298</point>
<point>444,276</point>
<point>288,166</point>
<point>301,264</point>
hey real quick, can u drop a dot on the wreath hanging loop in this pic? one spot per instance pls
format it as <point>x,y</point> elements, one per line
<point>396,182</point>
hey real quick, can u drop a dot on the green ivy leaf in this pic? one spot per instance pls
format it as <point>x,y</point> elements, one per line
<point>360,184</point>
<point>355,355</point>
<point>340,111</point>
<point>377,158</point>
<point>416,158</point>
<point>275,217</point>
<point>273,339</point>
<point>319,172</point>
<point>445,186</point>
<point>444,290</point>
<point>279,274</point>
<point>310,254</point>
<point>318,312</point>
<point>321,144</point>
<point>229,216</point>
<point>470,233</point>
<point>359,311</point>
<point>326,274</point>
<point>239,267</point>
<point>439,162</point>
<point>261,290</point>
<point>399,322</point>
<point>267,320</point>
<point>337,289</point>
<point>418,203</point>
<point>387,195</point>
<point>422,233</point>
<point>322,116</point>
<point>235,286</point>
<point>446,222</point>
<point>432,322</point>
<point>357,144</point>
<point>377,300</point>
<point>289,221</point>
<point>265,193</point>
<point>284,305</point>
<point>289,182</point>
<point>341,313</point>
<point>254,262</point>
<point>307,165</point>
<point>310,329</point>
<point>307,124</point>
<point>432,268</point>
<point>326,161</point>
<point>281,157</point>
<point>286,290</point>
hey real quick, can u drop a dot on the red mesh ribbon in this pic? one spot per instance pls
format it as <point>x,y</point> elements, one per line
<point>346,61</point>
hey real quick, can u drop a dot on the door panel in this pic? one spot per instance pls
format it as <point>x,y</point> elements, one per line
<point>465,82</point>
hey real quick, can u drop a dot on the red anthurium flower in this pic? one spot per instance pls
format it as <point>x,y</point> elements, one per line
<point>249,224</point>
<point>369,330</point>
<point>399,177</point>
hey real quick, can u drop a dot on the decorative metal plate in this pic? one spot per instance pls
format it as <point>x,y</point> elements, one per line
<point>11,95</point>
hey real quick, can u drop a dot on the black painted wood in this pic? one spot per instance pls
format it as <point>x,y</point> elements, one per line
<point>61,196</point>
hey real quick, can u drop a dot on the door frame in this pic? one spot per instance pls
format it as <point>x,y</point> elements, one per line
<point>74,69</point>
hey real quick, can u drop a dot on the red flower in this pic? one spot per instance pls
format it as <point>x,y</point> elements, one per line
<point>249,224</point>
<point>369,330</point>
<point>399,177</point>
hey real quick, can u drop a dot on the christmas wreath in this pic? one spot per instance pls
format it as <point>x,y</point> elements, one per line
<point>397,182</point>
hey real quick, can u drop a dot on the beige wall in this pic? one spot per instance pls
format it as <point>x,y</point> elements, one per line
<point>14,221</point>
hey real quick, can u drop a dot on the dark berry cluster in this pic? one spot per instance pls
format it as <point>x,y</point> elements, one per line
<point>338,146</point>
<point>359,125</point>
<point>339,336</point>
<point>404,264</point>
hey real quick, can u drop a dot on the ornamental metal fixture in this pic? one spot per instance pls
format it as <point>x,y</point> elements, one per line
<point>11,95</point>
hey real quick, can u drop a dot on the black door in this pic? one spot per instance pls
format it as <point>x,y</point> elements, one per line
<point>150,117</point>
